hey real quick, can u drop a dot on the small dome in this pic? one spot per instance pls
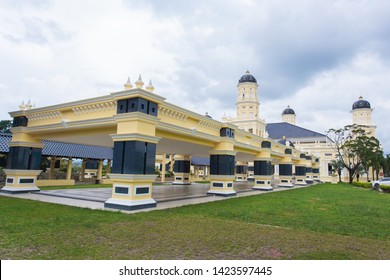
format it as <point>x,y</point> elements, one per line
<point>247,78</point>
<point>286,142</point>
<point>288,111</point>
<point>361,104</point>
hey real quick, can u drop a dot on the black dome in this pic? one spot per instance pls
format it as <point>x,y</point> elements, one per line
<point>361,104</point>
<point>288,111</point>
<point>284,142</point>
<point>247,78</point>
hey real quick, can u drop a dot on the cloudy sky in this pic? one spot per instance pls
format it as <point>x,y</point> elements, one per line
<point>316,56</point>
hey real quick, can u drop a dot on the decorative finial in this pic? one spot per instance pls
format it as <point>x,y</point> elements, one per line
<point>139,83</point>
<point>128,85</point>
<point>22,106</point>
<point>361,97</point>
<point>28,105</point>
<point>150,87</point>
<point>284,137</point>
<point>247,71</point>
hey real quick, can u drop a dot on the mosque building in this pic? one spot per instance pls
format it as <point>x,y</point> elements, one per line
<point>311,142</point>
<point>136,128</point>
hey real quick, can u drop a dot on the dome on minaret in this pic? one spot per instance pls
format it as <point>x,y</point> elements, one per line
<point>288,111</point>
<point>247,78</point>
<point>361,104</point>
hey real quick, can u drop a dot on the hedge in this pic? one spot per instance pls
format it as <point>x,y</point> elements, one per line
<point>366,185</point>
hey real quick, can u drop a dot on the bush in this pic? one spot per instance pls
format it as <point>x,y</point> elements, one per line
<point>385,188</point>
<point>366,185</point>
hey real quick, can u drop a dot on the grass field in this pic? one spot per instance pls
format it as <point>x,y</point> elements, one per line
<point>321,222</point>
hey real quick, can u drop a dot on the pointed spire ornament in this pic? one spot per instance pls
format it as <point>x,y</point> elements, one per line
<point>139,83</point>
<point>150,87</point>
<point>128,84</point>
<point>22,106</point>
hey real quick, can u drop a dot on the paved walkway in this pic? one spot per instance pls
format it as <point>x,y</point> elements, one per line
<point>166,196</point>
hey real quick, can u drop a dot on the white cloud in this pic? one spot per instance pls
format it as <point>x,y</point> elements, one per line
<point>317,56</point>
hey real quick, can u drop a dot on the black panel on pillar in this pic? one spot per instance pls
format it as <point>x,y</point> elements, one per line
<point>226,132</point>
<point>300,170</point>
<point>150,158</point>
<point>35,159</point>
<point>182,166</point>
<point>266,144</point>
<point>222,164</point>
<point>121,106</point>
<point>137,105</point>
<point>285,169</point>
<point>262,167</point>
<point>134,157</point>
<point>241,169</point>
<point>18,158</point>
<point>20,121</point>
<point>152,108</point>
<point>117,161</point>
<point>213,164</point>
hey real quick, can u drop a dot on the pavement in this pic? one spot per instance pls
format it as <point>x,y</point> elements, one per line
<point>166,196</point>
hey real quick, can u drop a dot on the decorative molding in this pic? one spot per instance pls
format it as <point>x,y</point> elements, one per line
<point>92,108</point>
<point>44,115</point>
<point>171,113</point>
<point>210,125</point>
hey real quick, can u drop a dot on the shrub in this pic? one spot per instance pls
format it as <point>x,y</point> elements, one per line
<point>385,188</point>
<point>366,185</point>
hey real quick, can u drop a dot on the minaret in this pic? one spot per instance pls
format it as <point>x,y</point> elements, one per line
<point>362,115</point>
<point>247,100</point>
<point>248,113</point>
<point>289,116</point>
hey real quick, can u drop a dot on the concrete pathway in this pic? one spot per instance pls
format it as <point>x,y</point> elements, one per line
<point>166,196</point>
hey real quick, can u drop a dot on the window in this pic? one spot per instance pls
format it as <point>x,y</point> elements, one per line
<point>250,130</point>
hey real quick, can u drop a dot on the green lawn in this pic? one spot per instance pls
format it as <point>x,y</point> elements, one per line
<point>321,222</point>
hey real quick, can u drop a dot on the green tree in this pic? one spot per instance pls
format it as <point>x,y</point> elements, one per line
<point>5,126</point>
<point>338,166</point>
<point>354,148</point>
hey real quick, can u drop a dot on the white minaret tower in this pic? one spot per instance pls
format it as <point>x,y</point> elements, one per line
<point>248,113</point>
<point>362,115</point>
<point>247,100</point>
<point>289,116</point>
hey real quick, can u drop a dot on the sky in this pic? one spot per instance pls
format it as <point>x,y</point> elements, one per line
<point>316,56</point>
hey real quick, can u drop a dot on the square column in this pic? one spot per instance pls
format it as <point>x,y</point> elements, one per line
<point>132,175</point>
<point>182,169</point>
<point>133,170</point>
<point>262,174</point>
<point>300,175</point>
<point>24,160</point>
<point>222,168</point>
<point>300,171</point>
<point>241,172</point>
<point>285,170</point>
<point>285,175</point>
<point>309,170</point>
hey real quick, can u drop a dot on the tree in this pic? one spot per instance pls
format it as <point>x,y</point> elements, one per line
<point>5,126</point>
<point>338,166</point>
<point>354,148</point>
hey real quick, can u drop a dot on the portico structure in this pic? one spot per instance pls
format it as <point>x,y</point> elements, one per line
<point>138,124</point>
